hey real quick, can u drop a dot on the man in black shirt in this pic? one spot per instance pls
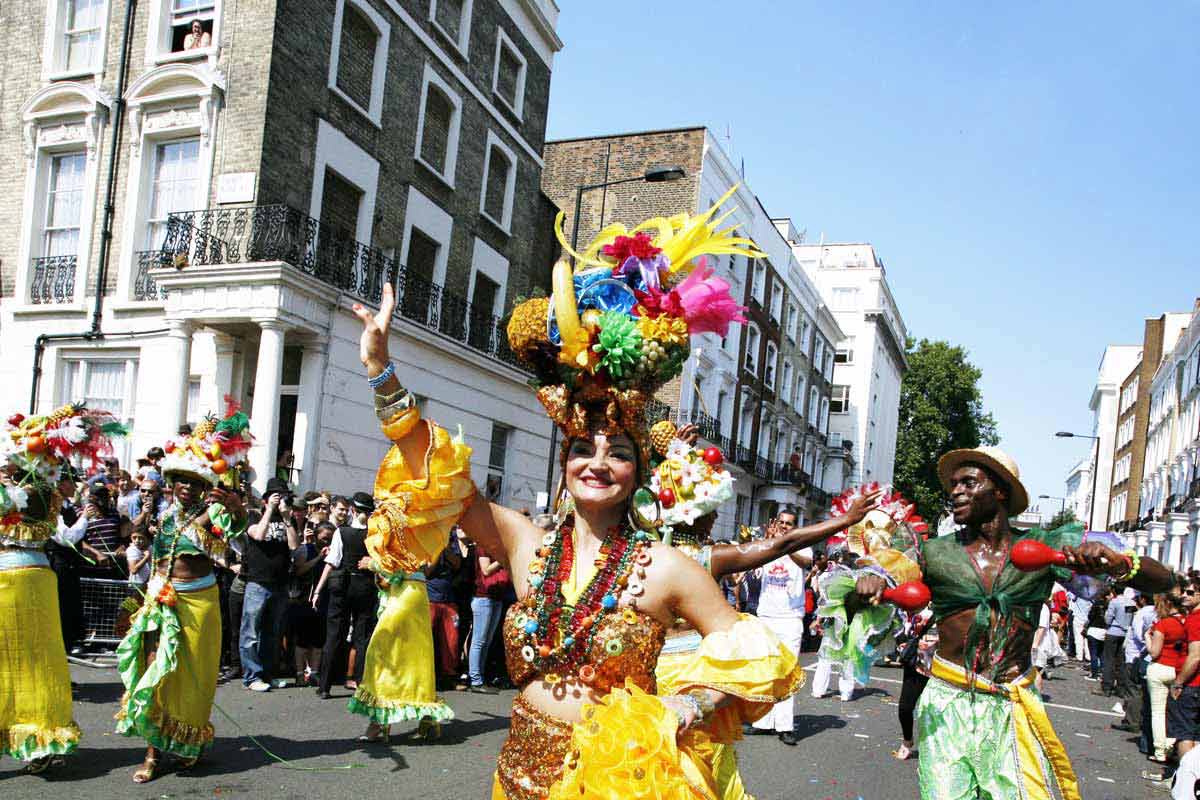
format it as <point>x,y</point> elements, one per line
<point>266,564</point>
<point>353,598</point>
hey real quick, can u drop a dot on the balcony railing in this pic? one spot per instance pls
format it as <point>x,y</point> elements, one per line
<point>281,233</point>
<point>144,285</point>
<point>53,280</point>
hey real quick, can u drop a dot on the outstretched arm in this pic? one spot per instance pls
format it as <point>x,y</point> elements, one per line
<point>727,558</point>
<point>1093,558</point>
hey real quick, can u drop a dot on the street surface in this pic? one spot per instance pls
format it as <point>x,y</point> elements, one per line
<point>844,753</point>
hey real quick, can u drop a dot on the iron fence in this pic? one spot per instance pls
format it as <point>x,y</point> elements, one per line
<point>53,280</point>
<point>144,285</point>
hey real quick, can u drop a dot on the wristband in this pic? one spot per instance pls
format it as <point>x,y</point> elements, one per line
<point>694,705</point>
<point>379,380</point>
<point>704,702</point>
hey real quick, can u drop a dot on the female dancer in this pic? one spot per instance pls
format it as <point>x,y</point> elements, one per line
<point>596,594</point>
<point>36,724</point>
<point>171,655</point>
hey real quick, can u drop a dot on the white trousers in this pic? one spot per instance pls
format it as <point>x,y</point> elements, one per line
<point>824,673</point>
<point>789,630</point>
<point>1079,629</point>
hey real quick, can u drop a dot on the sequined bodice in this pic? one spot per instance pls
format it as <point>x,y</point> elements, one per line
<point>626,645</point>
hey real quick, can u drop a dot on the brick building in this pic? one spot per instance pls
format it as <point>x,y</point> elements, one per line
<point>289,160</point>
<point>748,393</point>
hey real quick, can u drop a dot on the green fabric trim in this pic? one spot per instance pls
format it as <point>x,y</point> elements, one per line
<point>858,639</point>
<point>400,712</point>
<point>29,749</point>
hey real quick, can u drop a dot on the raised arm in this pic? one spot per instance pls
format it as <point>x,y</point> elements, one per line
<point>728,557</point>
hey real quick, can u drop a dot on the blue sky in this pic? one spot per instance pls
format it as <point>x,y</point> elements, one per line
<point>1027,172</point>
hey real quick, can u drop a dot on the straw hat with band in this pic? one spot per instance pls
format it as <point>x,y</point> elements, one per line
<point>995,460</point>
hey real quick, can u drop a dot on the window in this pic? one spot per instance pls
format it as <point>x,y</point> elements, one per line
<point>453,19</point>
<point>358,57</point>
<point>722,408</point>
<point>845,353</point>
<point>777,301</point>
<point>1129,395</point>
<point>174,189</point>
<point>828,372</point>
<point>839,400</point>
<point>193,402</point>
<point>340,202</point>
<point>798,400</point>
<point>508,75</point>
<point>1125,432</point>
<point>108,383</point>
<point>771,363</point>
<point>419,268</point>
<point>184,15</point>
<point>81,35</point>
<point>817,353</point>
<point>845,298</point>
<point>1121,469</point>
<point>64,202</point>
<point>785,387</point>
<point>823,426</point>
<point>793,321</point>
<point>437,127</point>
<point>497,462</point>
<point>835,439</point>
<point>1117,507</point>
<point>752,349</point>
<point>499,183</point>
<point>813,414</point>
<point>759,286</point>
<point>805,329</point>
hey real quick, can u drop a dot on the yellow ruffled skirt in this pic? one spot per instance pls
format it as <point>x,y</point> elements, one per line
<point>399,682</point>
<point>168,700</point>
<point>35,684</point>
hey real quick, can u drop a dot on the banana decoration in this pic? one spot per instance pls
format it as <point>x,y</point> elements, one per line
<point>575,339</point>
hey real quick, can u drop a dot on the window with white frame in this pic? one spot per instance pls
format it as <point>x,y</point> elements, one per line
<point>722,408</point>
<point>453,19</point>
<point>358,57</point>
<point>835,439</point>
<point>1129,395</point>
<point>751,361</point>
<point>828,372</point>
<point>845,298</point>
<point>845,352</point>
<point>82,29</point>
<point>746,421</point>
<point>770,365</point>
<point>438,122</point>
<point>817,353</point>
<point>793,321</point>
<point>839,399</point>
<point>497,462</point>
<point>193,402</point>
<point>814,415</point>
<point>759,286</point>
<point>64,204</point>
<point>785,386</point>
<point>499,183</point>
<point>182,29</point>
<point>174,186</point>
<point>824,424</point>
<point>106,381</point>
<point>1125,432</point>
<point>1117,507</point>
<point>805,331</point>
<point>798,399</point>
<point>777,301</point>
<point>508,74</point>
<point>1121,468</point>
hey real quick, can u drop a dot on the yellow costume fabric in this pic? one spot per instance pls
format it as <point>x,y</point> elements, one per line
<point>35,702</point>
<point>168,699</point>
<point>399,681</point>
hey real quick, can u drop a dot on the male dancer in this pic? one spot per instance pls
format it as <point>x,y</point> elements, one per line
<point>982,727</point>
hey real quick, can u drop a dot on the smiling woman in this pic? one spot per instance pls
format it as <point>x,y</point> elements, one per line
<point>597,593</point>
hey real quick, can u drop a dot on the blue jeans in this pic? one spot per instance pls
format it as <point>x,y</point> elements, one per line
<point>262,626</point>
<point>1096,652</point>
<point>486,616</point>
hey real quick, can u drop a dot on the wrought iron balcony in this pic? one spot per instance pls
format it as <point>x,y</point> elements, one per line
<point>53,280</point>
<point>242,235</point>
<point>144,285</point>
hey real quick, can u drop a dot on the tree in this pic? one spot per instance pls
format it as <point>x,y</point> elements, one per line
<point>941,409</point>
<point>1064,517</point>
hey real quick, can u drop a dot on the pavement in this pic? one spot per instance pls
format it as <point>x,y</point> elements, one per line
<point>290,744</point>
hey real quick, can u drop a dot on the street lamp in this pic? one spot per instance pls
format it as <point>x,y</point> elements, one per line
<point>659,174</point>
<point>1062,504</point>
<point>1095,469</point>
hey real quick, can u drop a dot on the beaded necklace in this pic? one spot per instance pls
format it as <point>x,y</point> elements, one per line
<point>558,636</point>
<point>166,595</point>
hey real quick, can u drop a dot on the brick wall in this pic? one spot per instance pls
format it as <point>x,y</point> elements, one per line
<point>1152,352</point>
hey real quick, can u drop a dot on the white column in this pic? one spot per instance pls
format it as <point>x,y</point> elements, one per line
<point>225,347</point>
<point>305,443</point>
<point>264,417</point>
<point>179,337</point>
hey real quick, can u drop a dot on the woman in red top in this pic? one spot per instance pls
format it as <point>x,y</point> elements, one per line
<point>1167,646</point>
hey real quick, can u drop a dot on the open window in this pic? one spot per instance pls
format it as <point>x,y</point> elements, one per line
<point>182,30</point>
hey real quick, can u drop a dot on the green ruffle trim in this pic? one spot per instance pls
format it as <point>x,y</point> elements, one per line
<point>856,640</point>
<point>383,712</point>
<point>139,715</point>
<point>28,742</point>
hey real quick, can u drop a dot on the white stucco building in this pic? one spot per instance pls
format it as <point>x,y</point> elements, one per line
<point>869,361</point>
<point>1079,488</point>
<point>1115,365</point>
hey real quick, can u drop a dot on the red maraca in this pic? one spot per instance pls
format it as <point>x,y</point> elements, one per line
<point>1029,555</point>
<point>910,597</point>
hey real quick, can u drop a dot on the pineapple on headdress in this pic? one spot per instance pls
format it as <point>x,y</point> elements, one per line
<point>215,452</point>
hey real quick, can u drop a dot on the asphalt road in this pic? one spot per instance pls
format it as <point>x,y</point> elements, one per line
<point>844,753</point>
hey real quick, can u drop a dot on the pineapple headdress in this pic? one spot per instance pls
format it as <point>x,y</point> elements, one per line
<point>618,324</point>
<point>215,452</point>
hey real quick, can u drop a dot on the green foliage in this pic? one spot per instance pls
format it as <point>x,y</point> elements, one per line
<point>941,409</point>
<point>1064,517</point>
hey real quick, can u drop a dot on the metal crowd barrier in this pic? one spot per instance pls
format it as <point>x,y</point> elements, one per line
<point>102,599</point>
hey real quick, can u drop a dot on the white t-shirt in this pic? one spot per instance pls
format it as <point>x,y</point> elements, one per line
<point>782,591</point>
<point>132,555</point>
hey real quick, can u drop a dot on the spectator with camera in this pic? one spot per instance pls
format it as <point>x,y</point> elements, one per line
<point>266,565</point>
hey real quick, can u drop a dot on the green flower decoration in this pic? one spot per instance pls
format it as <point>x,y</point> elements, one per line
<point>619,343</point>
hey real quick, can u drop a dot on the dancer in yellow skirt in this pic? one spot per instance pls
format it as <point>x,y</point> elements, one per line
<point>170,658</point>
<point>36,723</point>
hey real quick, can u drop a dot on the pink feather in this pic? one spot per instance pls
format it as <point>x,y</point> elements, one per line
<point>705,302</point>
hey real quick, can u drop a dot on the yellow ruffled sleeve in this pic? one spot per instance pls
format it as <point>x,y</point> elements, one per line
<point>413,516</point>
<point>750,665</point>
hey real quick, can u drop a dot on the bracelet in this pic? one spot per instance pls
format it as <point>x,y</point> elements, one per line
<point>1135,565</point>
<point>705,703</point>
<point>694,705</point>
<point>379,380</point>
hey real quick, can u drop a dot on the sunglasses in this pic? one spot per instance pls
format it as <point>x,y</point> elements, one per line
<point>319,507</point>
<point>1189,592</point>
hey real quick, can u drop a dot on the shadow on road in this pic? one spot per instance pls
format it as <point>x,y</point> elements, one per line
<point>108,693</point>
<point>807,725</point>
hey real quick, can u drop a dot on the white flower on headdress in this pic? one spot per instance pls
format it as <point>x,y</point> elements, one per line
<point>677,450</point>
<point>702,491</point>
<point>687,512</point>
<point>19,497</point>
<point>70,429</point>
<point>655,483</point>
<point>691,473</point>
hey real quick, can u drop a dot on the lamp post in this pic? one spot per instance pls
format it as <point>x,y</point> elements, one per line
<point>661,174</point>
<point>1062,506</point>
<point>1095,469</point>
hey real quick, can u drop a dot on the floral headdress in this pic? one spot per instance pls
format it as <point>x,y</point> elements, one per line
<point>33,453</point>
<point>687,485</point>
<point>215,452</point>
<point>887,537</point>
<point>617,326</point>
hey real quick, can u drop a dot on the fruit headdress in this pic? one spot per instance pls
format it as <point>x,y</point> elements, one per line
<point>888,536</point>
<point>215,452</point>
<point>618,324</point>
<point>687,486</point>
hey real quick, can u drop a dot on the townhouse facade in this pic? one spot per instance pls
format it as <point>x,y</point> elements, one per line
<point>193,214</point>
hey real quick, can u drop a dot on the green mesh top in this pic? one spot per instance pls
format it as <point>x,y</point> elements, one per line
<point>957,585</point>
<point>195,539</point>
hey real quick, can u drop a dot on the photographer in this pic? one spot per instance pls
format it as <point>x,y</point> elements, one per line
<point>266,564</point>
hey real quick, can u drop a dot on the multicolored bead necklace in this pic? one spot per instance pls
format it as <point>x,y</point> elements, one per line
<point>558,637</point>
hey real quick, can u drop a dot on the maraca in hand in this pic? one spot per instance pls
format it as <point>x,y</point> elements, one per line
<point>910,597</point>
<point>1029,555</point>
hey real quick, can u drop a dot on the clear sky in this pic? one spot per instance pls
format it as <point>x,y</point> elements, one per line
<point>1026,172</point>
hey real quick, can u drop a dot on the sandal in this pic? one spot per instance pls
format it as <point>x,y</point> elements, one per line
<point>428,731</point>
<point>37,766</point>
<point>904,753</point>
<point>382,733</point>
<point>145,773</point>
